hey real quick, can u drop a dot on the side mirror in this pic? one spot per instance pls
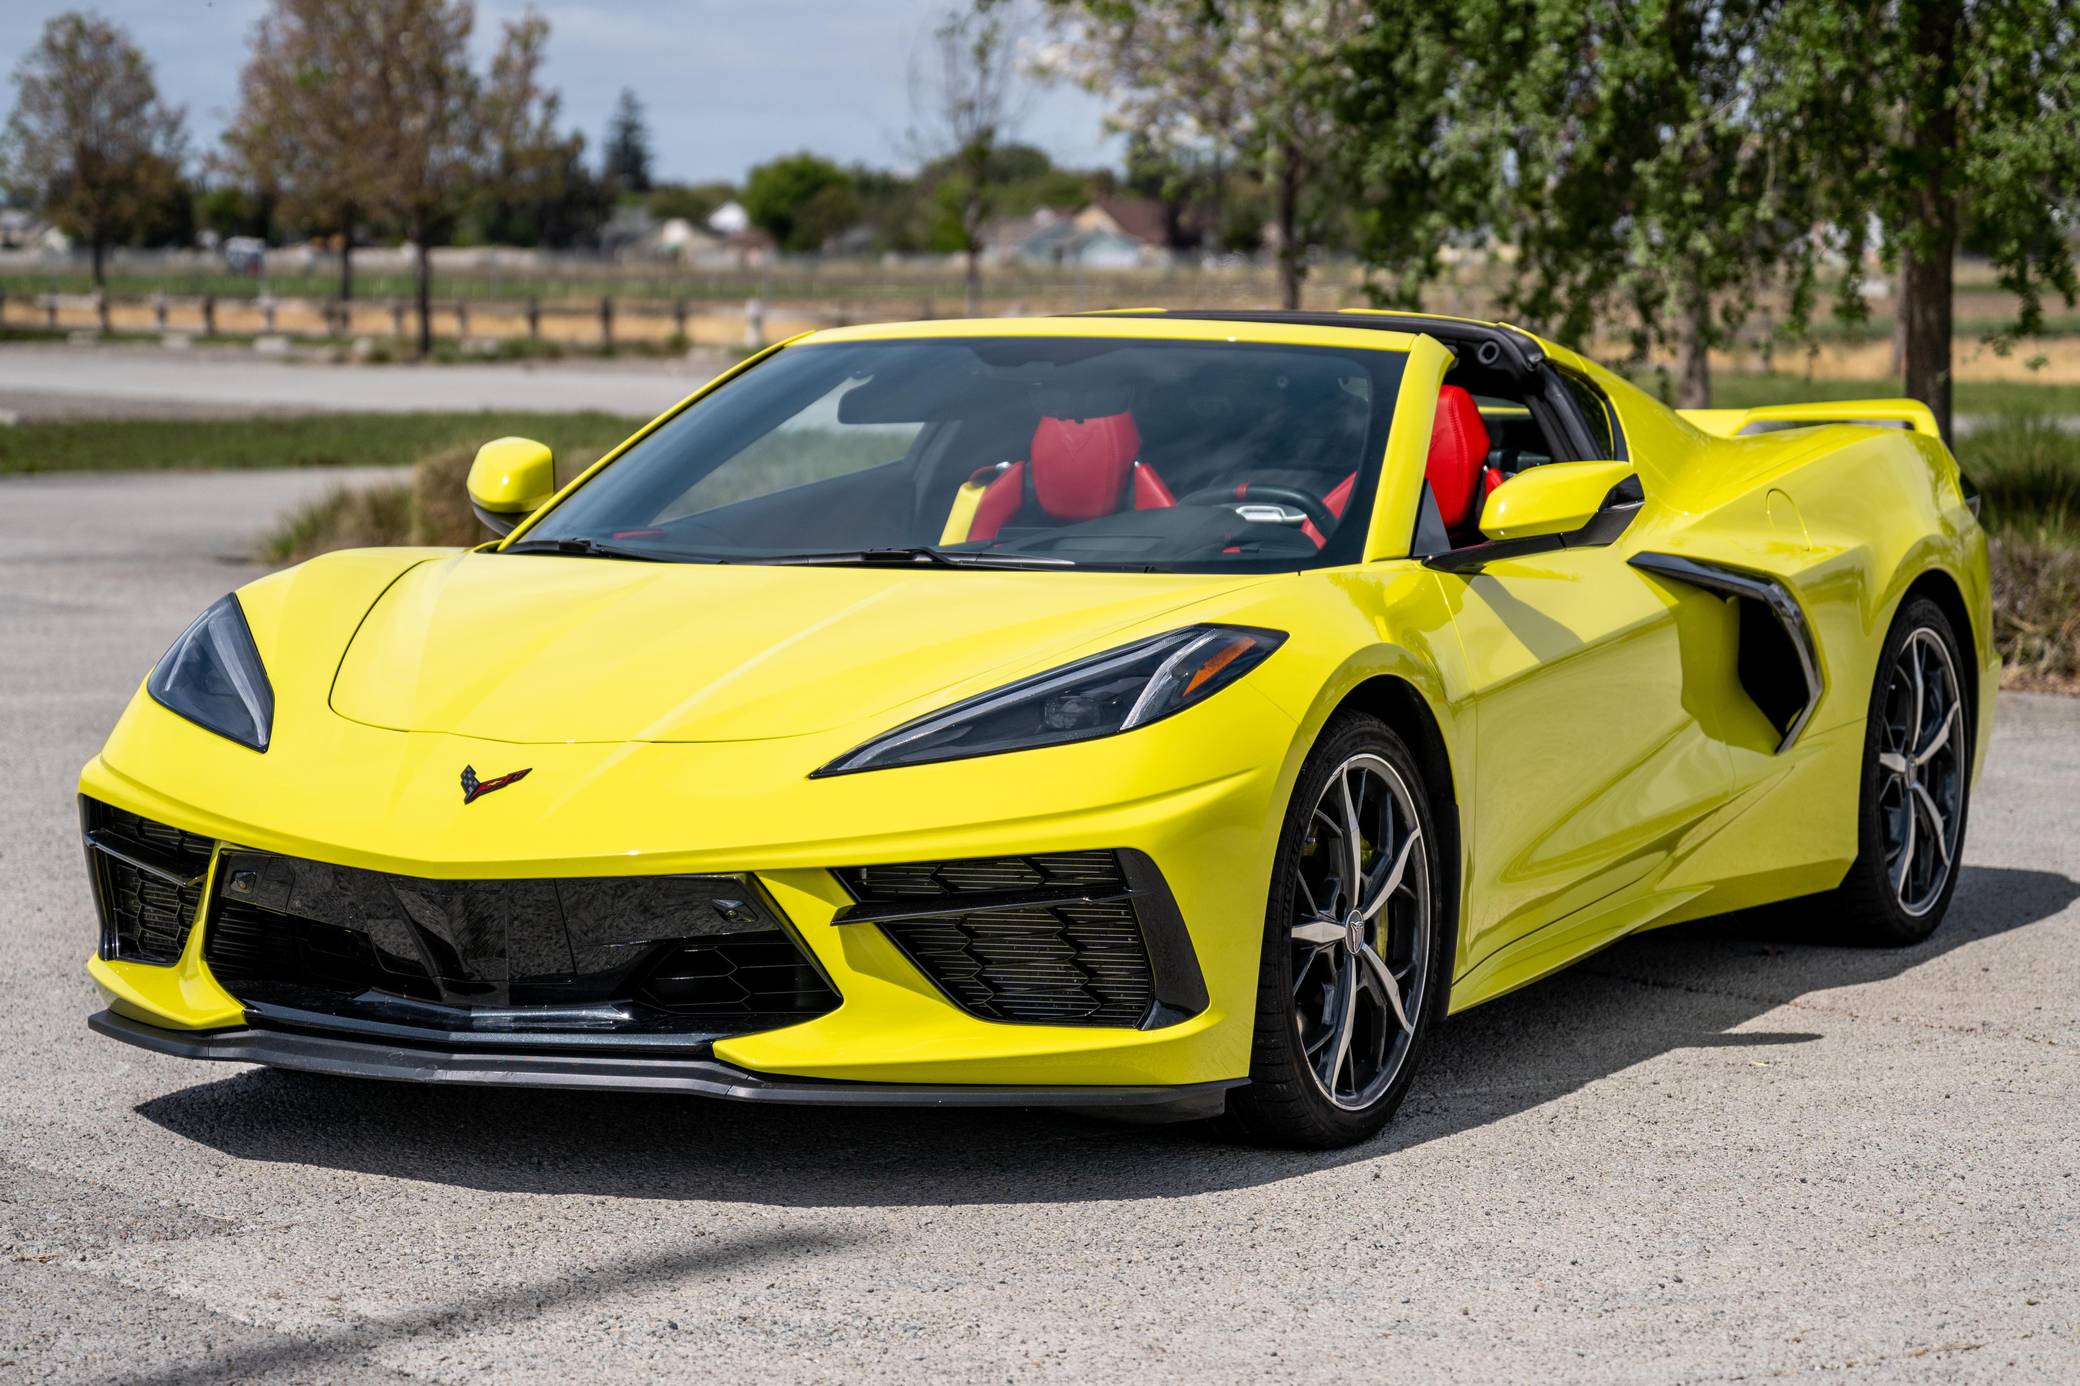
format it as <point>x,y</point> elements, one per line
<point>1557,498</point>
<point>510,480</point>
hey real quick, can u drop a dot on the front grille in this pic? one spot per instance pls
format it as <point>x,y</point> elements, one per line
<point>147,879</point>
<point>654,955</point>
<point>1045,939</point>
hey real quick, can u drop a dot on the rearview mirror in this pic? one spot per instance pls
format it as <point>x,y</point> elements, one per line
<point>1557,498</point>
<point>510,479</point>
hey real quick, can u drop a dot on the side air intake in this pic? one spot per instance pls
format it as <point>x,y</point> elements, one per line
<point>1779,666</point>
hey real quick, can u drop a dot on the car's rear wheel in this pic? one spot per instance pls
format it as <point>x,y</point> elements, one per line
<point>1916,786</point>
<point>1353,971</point>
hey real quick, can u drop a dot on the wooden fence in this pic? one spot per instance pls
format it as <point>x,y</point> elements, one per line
<point>597,323</point>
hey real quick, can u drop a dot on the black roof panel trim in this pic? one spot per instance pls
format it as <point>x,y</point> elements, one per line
<point>1506,345</point>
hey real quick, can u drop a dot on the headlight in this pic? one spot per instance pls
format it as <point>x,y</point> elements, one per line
<point>212,676</point>
<point>1100,696</point>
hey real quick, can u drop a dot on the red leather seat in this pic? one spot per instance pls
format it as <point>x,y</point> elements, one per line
<point>1458,455</point>
<point>1077,469</point>
<point>1458,459</point>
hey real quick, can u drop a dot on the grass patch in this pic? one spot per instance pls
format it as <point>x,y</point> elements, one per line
<point>2007,398</point>
<point>2028,471</point>
<point>303,440</point>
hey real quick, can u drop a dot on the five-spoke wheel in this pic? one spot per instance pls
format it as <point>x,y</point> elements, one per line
<point>1916,785</point>
<point>1360,934</point>
<point>1353,950</point>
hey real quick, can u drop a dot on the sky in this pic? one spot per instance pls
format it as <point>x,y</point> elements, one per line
<point>725,84</point>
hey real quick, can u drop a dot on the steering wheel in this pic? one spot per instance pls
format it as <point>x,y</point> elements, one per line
<point>1308,504</point>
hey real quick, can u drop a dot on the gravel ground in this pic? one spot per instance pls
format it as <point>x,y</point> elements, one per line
<point>1703,1155</point>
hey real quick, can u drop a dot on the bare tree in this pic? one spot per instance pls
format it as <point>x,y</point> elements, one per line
<point>89,141</point>
<point>1249,82</point>
<point>302,132</point>
<point>531,173</point>
<point>966,96</point>
<point>423,124</point>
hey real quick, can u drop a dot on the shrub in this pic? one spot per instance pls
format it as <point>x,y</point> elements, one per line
<point>432,508</point>
<point>2028,470</point>
<point>2036,612</point>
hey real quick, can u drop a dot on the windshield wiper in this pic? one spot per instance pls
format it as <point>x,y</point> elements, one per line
<point>593,548</point>
<point>920,555</point>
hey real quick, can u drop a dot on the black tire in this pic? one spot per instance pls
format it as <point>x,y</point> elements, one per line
<point>1873,907</point>
<point>1285,1102</point>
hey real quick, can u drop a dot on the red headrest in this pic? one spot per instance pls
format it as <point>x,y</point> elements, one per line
<point>1080,465</point>
<point>1458,448</point>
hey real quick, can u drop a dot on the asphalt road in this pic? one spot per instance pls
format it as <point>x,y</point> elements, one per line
<point>1701,1156</point>
<point>48,381</point>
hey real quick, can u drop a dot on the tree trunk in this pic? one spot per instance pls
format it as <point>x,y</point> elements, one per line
<point>1931,242</point>
<point>1290,251</point>
<point>100,259</point>
<point>1694,370</point>
<point>974,289</point>
<point>1928,309</point>
<point>423,291</point>
<point>346,258</point>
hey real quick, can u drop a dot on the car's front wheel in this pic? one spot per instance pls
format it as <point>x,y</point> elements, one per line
<point>1355,954</point>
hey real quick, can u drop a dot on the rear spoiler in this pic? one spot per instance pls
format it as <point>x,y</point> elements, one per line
<point>1911,414</point>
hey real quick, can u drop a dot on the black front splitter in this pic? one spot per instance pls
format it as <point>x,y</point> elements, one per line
<point>699,1077</point>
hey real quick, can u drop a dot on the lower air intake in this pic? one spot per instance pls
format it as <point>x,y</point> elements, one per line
<point>147,880</point>
<point>1069,938</point>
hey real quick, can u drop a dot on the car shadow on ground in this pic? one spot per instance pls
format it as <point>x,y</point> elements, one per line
<point>1688,987</point>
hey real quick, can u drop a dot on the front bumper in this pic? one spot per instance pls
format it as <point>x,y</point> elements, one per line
<point>1198,795</point>
<point>692,1076</point>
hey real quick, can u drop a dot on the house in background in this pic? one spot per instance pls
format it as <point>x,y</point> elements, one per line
<point>1105,233</point>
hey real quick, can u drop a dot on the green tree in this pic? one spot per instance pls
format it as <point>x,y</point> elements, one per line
<point>301,131</point>
<point>1629,163</point>
<point>801,200</point>
<point>627,150</point>
<point>1926,116</point>
<point>89,142</point>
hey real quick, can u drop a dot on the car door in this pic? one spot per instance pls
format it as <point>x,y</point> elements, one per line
<point>1590,760</point>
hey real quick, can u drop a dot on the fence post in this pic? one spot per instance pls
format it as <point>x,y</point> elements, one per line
<point>101,309</point>
<point>924,308</point>
<point>267,313</point>
<point>606,320</point>
<point>50,309</point>
<point>534,318</point>
<point>461,321</point>
<point>3,305</point>
<point>397,317</point>
<point>679,320</point>
<point>754,323</point>
<point>159,308</point>
<point>209,315</point>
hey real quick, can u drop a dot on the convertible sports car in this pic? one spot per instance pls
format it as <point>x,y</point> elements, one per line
<point>1159,710</point>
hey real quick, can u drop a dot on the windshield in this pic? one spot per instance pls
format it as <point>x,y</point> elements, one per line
<point>1016,452</point>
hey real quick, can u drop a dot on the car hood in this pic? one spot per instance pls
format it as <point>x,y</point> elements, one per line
<point>542,648</point>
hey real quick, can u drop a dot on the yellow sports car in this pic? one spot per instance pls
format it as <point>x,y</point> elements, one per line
<point>1183,711</point>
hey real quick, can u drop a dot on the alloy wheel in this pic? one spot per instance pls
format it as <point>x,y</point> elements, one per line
<point>1361,934</point>
<point>1921,771</point>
